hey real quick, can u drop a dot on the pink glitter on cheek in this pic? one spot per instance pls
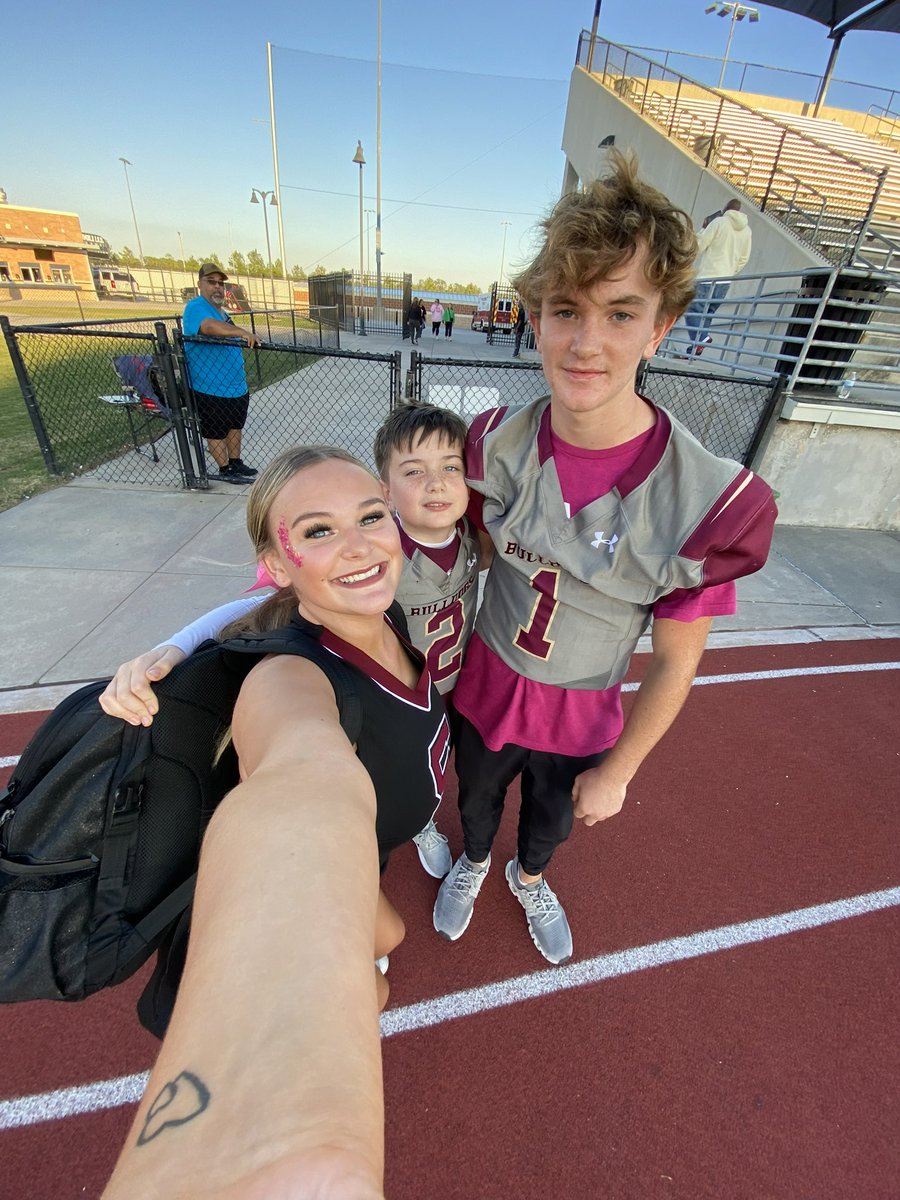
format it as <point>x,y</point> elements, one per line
<point>290,552</point>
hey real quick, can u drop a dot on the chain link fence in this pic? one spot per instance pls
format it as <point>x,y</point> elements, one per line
<point>121,404</point>
<point>469,386</point>
<point>727,415</point>
<point>117,403</point>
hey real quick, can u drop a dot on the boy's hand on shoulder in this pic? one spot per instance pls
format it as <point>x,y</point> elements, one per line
<point>597,795</point>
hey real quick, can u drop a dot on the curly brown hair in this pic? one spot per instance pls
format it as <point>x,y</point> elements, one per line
<point>589,234</point>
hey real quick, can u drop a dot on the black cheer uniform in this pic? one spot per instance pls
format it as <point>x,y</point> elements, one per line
<point>404,744</point>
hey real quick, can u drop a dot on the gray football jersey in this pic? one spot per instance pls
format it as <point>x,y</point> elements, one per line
<point>440,605</point>
<point>568,597</point>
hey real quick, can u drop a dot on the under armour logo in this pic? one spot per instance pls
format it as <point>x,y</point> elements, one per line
<point>600,540</point>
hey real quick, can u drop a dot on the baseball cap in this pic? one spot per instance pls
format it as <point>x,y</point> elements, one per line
<point>210,269</point>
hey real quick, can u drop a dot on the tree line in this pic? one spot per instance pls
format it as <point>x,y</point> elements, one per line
<point>254,264</point>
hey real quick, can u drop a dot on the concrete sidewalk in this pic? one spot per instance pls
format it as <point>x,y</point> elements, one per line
<point>94,573</point>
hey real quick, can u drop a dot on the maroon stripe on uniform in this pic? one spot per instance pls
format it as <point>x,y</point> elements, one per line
<point>735,535</point>
<point>420,696</point>
<point>648,460</point>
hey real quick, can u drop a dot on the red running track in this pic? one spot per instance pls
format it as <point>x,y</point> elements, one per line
<point>764,1069</point>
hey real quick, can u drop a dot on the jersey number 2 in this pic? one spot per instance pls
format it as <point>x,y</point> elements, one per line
<point>444,654</point>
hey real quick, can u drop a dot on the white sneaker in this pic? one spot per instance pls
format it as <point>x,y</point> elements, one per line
<point>434,853</point>
<point>546,917</point>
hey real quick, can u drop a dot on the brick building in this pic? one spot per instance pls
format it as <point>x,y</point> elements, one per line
<point>40,247</point>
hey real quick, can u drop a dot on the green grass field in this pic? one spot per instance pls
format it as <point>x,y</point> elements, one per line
<point>69,371</point>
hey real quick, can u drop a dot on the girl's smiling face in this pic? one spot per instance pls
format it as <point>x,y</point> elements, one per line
<point>334,542</point>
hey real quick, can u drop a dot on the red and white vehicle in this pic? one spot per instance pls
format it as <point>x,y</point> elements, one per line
<point>503,314</point>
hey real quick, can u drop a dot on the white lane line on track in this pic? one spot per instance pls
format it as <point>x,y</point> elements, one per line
<point>627,962</point>
<point>68,1102</point>
<point>786,673</point>
<point>740,677</point>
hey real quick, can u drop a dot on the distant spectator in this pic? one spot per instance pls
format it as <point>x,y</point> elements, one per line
<point>724,248</point>
<point>437,317</point>
<point>217,374</point>
<point>414,320</point>
<point>521,322</point>
<point>449,318</point>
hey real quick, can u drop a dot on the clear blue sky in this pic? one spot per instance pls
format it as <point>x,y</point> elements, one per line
<point>473,97</point>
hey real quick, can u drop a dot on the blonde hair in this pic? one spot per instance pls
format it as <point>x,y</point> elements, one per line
<point>276,611</point>
<point>592,233</point>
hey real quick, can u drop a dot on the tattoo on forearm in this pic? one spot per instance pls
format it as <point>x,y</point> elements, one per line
<point>180,1101</point>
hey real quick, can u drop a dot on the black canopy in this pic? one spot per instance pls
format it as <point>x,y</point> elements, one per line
<point>844,16</point>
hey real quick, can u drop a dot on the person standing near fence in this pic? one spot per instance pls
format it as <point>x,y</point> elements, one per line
<point>437,318</point>
<point>723,250</point>
<point>449,318</point>
<point>217,376</point>
<point>521,322</point>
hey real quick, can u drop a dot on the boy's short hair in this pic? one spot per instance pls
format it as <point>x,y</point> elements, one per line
<point>590,234</point>
<point>410,424</point>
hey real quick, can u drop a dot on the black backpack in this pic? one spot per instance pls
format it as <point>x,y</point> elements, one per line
<point>101,822</point>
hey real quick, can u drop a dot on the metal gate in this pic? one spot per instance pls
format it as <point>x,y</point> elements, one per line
<point>91,422</point>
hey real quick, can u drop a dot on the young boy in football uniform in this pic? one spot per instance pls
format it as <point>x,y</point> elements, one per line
<point>604,513</point>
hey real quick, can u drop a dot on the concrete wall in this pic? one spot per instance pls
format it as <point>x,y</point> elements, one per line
<point>841,476</point>
<point>594,113</point>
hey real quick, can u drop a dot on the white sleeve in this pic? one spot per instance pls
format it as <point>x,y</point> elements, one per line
<point>211,624</point>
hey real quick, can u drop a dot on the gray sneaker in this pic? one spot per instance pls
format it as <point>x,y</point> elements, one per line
<point>547,922</point>
<point>456,899</point>
<point>434,853</point>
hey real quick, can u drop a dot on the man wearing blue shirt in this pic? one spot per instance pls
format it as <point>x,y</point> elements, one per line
<point>217,374</point>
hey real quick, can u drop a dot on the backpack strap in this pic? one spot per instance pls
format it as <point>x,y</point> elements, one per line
<point>291,640</point>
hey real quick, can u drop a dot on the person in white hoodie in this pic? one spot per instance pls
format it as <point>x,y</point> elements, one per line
<point>724,248</point>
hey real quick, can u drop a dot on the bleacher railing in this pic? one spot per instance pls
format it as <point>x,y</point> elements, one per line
<point>833,333</point>
<point>833,217</point>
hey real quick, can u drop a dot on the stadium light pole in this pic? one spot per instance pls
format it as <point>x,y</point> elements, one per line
<point>370,212</point>
<point>126,164</point>
<point>360,159</point>
<point>735,12</point>
<point>258,196</point>
<point>506,225</point>
<point>181,246</point>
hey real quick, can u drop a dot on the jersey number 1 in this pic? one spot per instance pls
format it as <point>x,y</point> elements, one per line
<point>532,638</point>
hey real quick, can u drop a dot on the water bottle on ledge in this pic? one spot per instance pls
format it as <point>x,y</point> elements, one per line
<point>845,391</point>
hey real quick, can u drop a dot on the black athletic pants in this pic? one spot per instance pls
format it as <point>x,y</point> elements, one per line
<point>546,814</point>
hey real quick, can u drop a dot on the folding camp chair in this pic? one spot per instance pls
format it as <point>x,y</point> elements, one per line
<point>143,399</point>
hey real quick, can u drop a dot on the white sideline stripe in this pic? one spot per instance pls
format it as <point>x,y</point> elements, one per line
<point>627,962</point>
<point>111,1093</point>
<point>69,1102</point>
<point>740,677</point>
<point>786,673</point>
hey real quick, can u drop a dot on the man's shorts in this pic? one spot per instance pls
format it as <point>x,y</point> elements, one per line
<point>220,414</point>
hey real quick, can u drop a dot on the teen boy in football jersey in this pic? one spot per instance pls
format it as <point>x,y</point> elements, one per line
<point>419,454</point>
<point>604,512</point>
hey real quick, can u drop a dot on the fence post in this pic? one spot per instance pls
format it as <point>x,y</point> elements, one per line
<point>30,398</point>
<point>765,424</point>
<point>396,379</point>
<point>176,406</point>
<point>870,212</point>
<point>256,351</point>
